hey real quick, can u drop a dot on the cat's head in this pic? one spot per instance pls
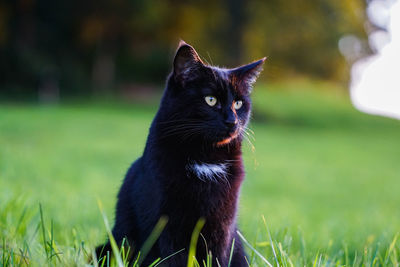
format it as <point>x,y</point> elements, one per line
<point>207,104</point>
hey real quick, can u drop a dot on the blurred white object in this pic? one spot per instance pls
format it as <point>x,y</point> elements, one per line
<point>375,85</point>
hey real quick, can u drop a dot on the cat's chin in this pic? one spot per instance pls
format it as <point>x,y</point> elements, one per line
<point>227,140</point>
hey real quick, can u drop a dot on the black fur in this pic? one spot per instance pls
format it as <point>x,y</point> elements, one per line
<point>187,130</point>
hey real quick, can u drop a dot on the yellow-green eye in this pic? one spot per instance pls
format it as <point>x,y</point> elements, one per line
<point>211,100</point>
<point>238,104</point>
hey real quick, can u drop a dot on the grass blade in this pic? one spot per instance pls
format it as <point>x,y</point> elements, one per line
<point>193,242</point>
<point>113,243</point>
<point>43,231</point>
<point>253,249</point>
<point>231,254</point>
<point>270,240</point>
<point>155,234</point>
<point>169,256</point>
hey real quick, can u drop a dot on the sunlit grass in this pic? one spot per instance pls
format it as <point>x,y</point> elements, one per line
<point>326,178</point>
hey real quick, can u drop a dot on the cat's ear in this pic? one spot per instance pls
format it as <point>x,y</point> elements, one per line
<point>247,74</point>
<point>186,63</point>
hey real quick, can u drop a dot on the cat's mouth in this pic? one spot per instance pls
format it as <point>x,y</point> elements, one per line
<point>228,139</point>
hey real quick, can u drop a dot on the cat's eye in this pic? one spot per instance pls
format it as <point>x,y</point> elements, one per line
<point>238,104</point>
<point>211,100</point>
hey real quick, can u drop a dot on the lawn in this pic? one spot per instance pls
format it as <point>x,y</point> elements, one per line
<point>325,177</point>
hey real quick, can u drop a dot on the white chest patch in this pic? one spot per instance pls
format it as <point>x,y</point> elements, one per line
<point>208,171</point>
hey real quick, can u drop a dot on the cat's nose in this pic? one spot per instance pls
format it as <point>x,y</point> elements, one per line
<point>231,120</point>
<point>230,123</point>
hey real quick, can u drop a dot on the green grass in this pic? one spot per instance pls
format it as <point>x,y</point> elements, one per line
<point>325,177</point>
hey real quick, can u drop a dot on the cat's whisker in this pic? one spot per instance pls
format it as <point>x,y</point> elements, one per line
<point>249,132</point>
<point>187,136</point>
<point>246,135</point>
<point>253,148</point>
<point>175,126</point>
<point>180,120</point>
<point>249,129</point>
<point>183,137</point>
<point>168,131</point>
<point>174,131</point>
<point>250,136</point>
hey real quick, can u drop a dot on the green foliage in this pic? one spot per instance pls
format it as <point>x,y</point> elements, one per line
<point>325,176</point>
<point>55,49</point>
<point>302,37</point>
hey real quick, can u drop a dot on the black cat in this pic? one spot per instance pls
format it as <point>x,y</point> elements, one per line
<point>192,165</point>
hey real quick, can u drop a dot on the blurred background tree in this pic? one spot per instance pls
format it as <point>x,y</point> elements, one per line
<point>82,48</point>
